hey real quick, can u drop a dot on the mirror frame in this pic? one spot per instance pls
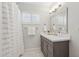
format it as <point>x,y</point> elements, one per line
<point>66,19</point>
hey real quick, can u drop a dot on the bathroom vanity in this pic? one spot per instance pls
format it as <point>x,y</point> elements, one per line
<point>55,45</point>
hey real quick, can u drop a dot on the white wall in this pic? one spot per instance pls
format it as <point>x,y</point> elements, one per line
<point>31,41</point>
<point>73,27</point>
<point>34,41</point>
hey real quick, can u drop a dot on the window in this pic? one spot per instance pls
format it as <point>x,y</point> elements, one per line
<point>31,18</point>
<point>26,18</point>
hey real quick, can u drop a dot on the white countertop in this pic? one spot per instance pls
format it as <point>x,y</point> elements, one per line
<point>56,38</point>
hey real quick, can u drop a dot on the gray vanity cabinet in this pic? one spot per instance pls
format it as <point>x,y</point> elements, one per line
<point>50,49</point>
<point>54,49</point>
<point>61,49</point>
<point>44,45</point>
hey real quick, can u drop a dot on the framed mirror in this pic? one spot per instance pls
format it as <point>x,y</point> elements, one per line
<point>59,20</point>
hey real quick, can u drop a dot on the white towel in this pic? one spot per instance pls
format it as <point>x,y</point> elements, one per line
<point>31,31</point>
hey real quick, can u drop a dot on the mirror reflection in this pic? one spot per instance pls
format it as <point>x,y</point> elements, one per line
<point>58,21</point>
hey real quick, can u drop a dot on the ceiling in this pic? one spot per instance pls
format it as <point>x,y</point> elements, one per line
<point>35,6</point>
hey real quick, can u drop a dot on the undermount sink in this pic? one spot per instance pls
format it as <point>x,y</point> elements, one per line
<point>49,33</point>
<point>57,34</point>
<point>56,37</point>
<point>52,34</point>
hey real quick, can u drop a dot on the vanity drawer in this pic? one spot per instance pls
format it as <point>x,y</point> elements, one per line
<point>64,43</point>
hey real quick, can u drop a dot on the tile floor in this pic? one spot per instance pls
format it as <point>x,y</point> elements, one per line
<point>33,53</point>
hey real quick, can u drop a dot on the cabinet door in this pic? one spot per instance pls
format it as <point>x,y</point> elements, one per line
<point>45,47</point>
<point>61,49</point>
<point>42,44</point>
<point>50,49</point>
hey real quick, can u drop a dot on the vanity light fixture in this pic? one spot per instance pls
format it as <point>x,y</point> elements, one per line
<point>54,8</point>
